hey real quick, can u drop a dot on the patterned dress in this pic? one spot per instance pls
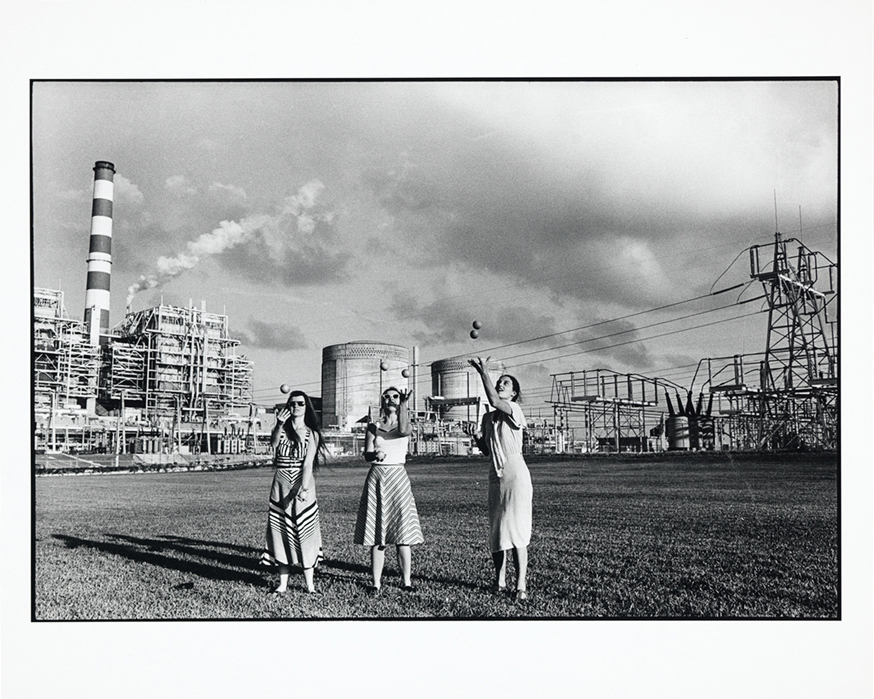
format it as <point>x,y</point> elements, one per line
<point>510,491</point>
<point>387,511</point>
<point>294,537</point>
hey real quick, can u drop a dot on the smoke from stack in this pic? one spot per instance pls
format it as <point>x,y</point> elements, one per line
<point>230,234</point>
<point>99,254</point>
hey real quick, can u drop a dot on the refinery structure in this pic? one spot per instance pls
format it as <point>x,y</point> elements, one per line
<point>169,380</point>
<point>166,379</point>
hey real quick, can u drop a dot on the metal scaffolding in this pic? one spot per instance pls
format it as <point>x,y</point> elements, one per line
<point>788,399</point>
<point>65,366</point>
<point>178,362</point>
<point>603,410</point>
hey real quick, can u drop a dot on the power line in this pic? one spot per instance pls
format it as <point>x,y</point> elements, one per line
<point>652,337</point>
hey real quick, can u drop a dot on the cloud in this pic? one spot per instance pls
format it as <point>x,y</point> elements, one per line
<point>228,192</point>
<point>449,320</point>
<point>126,193</point>
<point>294,265</point>
<point>180,185</point>
<point>597,191</point>
<point>74,195</point>
<point>275,336</point>
<point>278,246</point>
<point>617,342</point>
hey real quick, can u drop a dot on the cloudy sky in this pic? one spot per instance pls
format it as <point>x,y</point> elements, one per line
<point>563,215</point>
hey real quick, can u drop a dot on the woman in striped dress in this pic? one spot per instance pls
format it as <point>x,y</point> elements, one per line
<point>294,537</point>
<point>387,512</point>
<point>510,491</point>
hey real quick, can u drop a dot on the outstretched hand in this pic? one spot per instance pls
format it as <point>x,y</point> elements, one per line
<point>479,364</point>
<point>404,396</point>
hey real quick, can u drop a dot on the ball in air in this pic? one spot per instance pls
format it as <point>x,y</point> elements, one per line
<point>285,388</point>
<point>477,325</point>
<point>474,334</point>
<point>383,366</point>
<point>405,373</point>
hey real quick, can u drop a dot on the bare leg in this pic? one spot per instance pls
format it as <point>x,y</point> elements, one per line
<point>405,563</point>
<point>308,578</point>
<point>283,578</point>
<point>377,561</point>
<point>520,558</point>
<point>500,559</point>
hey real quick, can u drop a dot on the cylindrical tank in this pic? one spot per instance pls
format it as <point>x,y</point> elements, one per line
<point>99,254</point>
<point>353,380</point>
<point>677,432</point>
<point>455,379</point>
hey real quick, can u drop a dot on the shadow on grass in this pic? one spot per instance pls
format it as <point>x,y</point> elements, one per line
<point>231,562</point>
<point>217,566</point>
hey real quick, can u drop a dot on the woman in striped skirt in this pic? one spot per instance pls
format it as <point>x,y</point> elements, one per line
<point>293,534</point>
<point>387,512</point>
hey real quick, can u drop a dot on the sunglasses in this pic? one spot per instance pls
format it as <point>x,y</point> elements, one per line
<point>393,396</point>
<point>297,402</point>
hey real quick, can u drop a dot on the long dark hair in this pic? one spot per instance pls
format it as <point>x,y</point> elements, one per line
<point>311,420</point>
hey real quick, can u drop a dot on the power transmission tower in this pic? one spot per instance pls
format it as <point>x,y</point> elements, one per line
<point>797,401</point>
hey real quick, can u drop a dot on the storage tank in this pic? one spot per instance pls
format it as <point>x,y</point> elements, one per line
<point>352,380</point>
<point>454,379</point>
<point>677,432</point>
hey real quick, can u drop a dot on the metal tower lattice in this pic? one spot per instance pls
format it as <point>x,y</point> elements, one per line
<point>797,402</point>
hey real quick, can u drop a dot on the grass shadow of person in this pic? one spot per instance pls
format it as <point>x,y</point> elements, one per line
<point>212,566</point>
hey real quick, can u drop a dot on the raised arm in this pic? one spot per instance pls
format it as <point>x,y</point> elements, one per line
<point>281,417</point>
<point>404,426</point>
<point>496,402</point>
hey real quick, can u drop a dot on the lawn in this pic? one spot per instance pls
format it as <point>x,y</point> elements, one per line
<point>671,536</point>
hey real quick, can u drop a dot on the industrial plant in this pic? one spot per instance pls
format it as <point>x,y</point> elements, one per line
<point>168,381</point>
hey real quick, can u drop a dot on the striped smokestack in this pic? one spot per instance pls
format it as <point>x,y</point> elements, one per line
<point>99,254</point>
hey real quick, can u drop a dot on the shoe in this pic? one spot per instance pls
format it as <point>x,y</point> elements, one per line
<point>521,596</point>
<point>499,589</point>
<point>372,590</point>
<point>408,588</point>
<point>277,591</point>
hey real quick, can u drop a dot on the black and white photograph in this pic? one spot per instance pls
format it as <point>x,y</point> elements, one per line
<point>499,363</point>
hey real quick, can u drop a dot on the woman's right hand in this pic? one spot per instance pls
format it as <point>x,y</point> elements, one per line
<point>380,456</point>
<point>283,415</point>
<point>479,364</point>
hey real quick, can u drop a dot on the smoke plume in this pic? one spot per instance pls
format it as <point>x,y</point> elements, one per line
<point>273,230</point>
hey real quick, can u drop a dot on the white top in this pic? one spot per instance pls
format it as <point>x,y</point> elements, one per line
<point>393,443</point>
<point>504,434</point>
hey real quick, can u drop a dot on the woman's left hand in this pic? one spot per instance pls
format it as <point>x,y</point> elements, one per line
<point>404,396</point>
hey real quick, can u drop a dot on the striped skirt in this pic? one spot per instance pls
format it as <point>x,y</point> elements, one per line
<point>387,512</point>
<point>294,537</point>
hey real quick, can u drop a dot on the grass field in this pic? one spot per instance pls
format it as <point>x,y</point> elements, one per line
<point>687,536</point>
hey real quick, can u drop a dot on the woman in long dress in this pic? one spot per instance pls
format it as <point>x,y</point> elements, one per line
<point>510,491</point>
<point>387,511</point>
<point>294,537</point>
